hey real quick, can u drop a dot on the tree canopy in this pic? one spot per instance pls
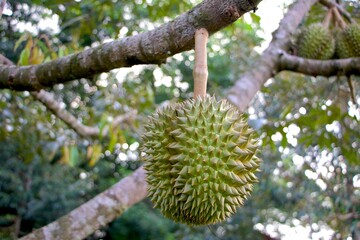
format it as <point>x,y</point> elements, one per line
<point>79,79</point>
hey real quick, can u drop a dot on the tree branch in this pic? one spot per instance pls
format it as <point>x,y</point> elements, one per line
<point>324,68</point>
<point>51,104</point>
<point>5,61</point>
<point>152,47</point>
<point>332,4</point>
<point>54,106</point>
<point>97,212</point>
<point>2,6</point>
<point>267,66</point>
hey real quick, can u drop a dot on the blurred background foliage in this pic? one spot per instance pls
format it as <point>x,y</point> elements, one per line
<point>310,178</point>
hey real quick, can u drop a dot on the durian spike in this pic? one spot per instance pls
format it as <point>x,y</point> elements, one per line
<point>339,18</point>
<point>200,72</point>
<point>327,18</point>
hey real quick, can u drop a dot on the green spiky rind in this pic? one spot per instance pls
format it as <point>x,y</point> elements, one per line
<point>200,160</point>
<point>343,50</point>
<point>348,42</point>
<point>316,42</point>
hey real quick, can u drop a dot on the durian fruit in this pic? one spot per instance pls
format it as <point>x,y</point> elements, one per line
<point>316,42</point>
<point>200,160</point>
<point>348,42</point>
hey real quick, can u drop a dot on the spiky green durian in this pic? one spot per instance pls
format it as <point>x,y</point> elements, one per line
<point>348,42</point>
<point>200,160</point>
<point>316,42</point>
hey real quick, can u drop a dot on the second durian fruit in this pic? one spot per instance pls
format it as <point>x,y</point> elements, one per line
<point>348,42</point>
<point>316,42</point>
<point>200,157</point>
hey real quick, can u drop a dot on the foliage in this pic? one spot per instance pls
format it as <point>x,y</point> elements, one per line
<point>37,192</point>
<point>135,225</point>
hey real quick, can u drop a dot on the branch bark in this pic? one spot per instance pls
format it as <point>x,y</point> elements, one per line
<point>54,106</point>
<point>325,68</point>
<point>97,212</point>
<point>151,47</point>
<point>2,6</point>
<point>51,104</point>
<point>5,61</point>
<point>267,66</point>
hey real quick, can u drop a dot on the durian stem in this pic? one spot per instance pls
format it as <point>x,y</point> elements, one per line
<point>327,18</point>
<point>339,18</point>
<point>200,72</point>
<point>351,87</point>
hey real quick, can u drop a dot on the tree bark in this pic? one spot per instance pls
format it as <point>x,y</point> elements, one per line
<point>2,6</point>
<point>151,47</point>
<point>97,212</point>
<point>315,68</point>
<point>84,131</point>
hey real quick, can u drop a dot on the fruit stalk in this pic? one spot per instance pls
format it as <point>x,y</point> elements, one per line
<point>200,72</point>
<point>338,18</point>
<point>327,18</point>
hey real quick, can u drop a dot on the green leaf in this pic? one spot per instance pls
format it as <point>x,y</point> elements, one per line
<point>74,159</point>
<point>62,52</point>
<point>287,110</point>
<point>22,39</point>
<point>36,56</point>
<point>94,153</point>
<point>42,46</point>
<point>24,57</point>
<point>113,139</point>
<point>255,18</point>
<point>103,122</point>
<point>65,155</point>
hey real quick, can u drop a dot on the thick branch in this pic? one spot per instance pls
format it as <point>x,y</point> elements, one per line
<point>325,68</point>
<point>151,47</point>
<point>267,66</point>
<point>97,212</point>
